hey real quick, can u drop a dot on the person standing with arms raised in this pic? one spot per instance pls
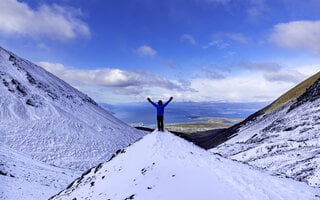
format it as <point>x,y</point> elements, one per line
<point>160,112</point>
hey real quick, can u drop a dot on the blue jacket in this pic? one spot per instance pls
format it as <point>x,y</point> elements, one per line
<point>160,108</point>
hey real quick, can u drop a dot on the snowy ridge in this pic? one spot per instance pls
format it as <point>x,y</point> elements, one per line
<point>24,178</point>
<point>164,166</point>
<point>46,118</point>
<point>285,142</point>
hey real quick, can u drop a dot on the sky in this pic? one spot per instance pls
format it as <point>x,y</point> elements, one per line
<point>119,51</point>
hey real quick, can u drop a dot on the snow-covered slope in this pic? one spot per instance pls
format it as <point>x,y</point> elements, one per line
<point>285,141</point>
<point>46,118</point>
<point>24,178</point>
<point>164,166</point>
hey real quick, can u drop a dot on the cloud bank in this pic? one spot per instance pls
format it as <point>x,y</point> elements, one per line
<point>260,82</point>
<point>120,81</point>
<point>55,22</point>
<point>274,72</point>
<point>301,35</point>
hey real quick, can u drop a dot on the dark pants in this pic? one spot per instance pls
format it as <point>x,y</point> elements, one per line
<point>160,123</point>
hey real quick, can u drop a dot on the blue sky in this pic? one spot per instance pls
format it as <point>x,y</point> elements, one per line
<point>194,50</point>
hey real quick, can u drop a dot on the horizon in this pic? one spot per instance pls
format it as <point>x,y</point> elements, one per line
<point>189,101</point>
<point>194,50</point>
<point>181,112</point>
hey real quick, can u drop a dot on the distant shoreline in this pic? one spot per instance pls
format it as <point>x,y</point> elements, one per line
<point>203,124</point>
<point>181,115</point>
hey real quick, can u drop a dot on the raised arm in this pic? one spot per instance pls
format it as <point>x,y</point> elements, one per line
<point>155,105</point>
<point>168,101</point>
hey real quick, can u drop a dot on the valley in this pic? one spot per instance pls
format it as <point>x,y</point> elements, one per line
<point>58,143</point>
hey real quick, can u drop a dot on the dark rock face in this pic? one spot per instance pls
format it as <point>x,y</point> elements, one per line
<point>312,93</point>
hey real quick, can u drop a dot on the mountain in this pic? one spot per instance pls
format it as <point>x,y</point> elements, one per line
<point>284,99</point>
<point>164,166</point>
<point>24,178</point>
<point>283,138</point>
<point>46,118</point>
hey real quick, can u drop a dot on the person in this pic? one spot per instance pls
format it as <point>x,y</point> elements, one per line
<point>160,111</point>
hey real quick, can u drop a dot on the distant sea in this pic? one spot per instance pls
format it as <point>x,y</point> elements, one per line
<point>144,114</point>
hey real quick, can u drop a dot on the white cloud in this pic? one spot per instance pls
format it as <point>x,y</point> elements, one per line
<point>219,43</point>
<point>188,38</point>
<point>238,37</point>
<point>308,70</point>
<point>211,72</point>
<point>302,35</point>
<point>54,21</point>
<point>42,46</point>
<point>224,40</point>
<point>120,80</point>
<point>219,40</point>
<point>116,85</point>
<point>263,81</point>
<point>247,87</point>
<point>256,10</point>
<point>285,75</point>
<point>146,50</point>
<point>262,66</point>
<point>272,72</point>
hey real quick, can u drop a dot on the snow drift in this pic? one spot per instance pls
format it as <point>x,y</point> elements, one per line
<point>46,118</point>
<point>164,166</point>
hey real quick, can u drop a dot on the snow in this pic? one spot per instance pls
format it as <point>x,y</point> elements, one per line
<point>48,127</point>
<point>285,142</point>
<point>45,118</point>
<point>164,166</point>
<point>24,178</point>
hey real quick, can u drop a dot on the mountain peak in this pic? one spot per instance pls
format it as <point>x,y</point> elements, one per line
<point>31,82</point>
<point>164,166</point>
